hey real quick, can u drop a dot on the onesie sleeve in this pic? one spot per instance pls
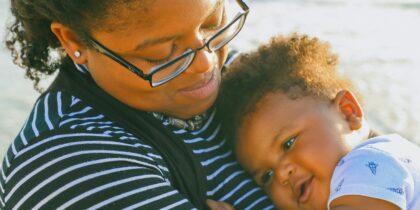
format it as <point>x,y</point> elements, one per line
<point>372,173</point>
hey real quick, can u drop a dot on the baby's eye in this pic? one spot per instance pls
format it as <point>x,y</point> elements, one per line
<point>266,177</point>
<point>287,145</point>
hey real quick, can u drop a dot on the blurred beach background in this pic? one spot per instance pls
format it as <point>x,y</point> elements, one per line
<point>378,42</point>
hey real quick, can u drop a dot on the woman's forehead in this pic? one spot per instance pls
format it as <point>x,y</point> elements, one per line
<point>156,19</point>
<point>148,13</point>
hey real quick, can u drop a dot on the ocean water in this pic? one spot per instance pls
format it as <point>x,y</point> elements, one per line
<point>378,42</point>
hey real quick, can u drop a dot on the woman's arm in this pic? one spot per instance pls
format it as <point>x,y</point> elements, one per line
<point>87,171</point>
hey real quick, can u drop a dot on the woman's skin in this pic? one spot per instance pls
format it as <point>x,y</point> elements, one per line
<point>156,33</point>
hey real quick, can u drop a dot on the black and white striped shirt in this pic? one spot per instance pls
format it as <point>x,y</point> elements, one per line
<point>69,156</point>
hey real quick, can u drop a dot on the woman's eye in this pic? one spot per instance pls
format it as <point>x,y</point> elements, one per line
<point>157,62</point>
<point>163,60</point>
<point>214,27</point>
<point>266,177</point>
<point>287,145</point>
<point>209,31</point>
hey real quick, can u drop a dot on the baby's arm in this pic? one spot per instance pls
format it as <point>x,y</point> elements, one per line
<point>357,202</point>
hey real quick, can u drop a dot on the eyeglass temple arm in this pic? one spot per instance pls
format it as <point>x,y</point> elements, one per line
<point>104,50</point>
<point>243,5</point>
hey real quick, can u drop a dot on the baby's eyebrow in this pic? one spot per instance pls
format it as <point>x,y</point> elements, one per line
<point>280,132</point>
<point>254,173</point>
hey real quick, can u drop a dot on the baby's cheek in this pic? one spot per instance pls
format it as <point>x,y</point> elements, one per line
<point>281,197</point>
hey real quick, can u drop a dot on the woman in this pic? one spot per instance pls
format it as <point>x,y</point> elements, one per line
<point>128,122</point>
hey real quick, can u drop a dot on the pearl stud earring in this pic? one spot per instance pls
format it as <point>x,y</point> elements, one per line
<point>77,54</point>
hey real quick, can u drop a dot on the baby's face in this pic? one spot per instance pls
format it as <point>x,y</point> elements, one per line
<point>291,148</point>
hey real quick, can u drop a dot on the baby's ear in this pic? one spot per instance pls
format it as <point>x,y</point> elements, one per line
<point>348,105</point>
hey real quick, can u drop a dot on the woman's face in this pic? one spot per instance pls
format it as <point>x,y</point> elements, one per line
<point>153,33</point>
<point>291,148</point>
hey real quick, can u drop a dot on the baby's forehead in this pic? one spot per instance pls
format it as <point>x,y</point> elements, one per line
<point>277,113</point>
<point>276,99</point>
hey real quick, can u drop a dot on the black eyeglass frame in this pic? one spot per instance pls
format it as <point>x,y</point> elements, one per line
<point>241,16</point>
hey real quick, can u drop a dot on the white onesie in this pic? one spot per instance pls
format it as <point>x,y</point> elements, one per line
<point>384,167</point>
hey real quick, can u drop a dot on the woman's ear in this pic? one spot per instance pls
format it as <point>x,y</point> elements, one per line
<point>71,44</point>
<point>348,105</point>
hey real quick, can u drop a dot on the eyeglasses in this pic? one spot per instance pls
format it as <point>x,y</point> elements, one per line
<point>161,74</point>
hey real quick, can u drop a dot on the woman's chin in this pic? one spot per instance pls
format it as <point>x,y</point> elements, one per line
<point>198,108</point>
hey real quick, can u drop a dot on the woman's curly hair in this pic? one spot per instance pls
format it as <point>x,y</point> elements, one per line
<point>31,40</point>
<point>295,65</point>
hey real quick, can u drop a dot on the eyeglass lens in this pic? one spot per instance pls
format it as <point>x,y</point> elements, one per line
<point>215,44</point>
<point>172,70</point>
<point>226,36</point>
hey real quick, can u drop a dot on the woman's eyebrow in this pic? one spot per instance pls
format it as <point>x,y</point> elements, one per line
<point>215,9</point>
<point>154,41</point>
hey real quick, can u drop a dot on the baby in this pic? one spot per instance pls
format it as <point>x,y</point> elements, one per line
<point>300,132</point>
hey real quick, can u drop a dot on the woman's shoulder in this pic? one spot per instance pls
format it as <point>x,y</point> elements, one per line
<point>55,110</point>
<point>59,118</point>
<point>69,154</point>
<point>231,57</point>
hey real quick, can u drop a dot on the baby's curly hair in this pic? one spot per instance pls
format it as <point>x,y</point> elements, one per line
<point>296,65</point>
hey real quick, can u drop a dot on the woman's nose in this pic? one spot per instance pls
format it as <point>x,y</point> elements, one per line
<point>204,59</point>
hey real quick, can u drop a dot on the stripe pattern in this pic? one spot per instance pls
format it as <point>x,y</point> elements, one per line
<point>68,156</point>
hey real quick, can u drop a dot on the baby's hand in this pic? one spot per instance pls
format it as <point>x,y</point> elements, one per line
<point>216,205</point>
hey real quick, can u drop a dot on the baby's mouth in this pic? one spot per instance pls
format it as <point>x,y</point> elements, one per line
<point>304,191</point>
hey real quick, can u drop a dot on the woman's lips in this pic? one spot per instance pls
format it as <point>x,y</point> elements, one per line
<point>203,90</point>
<point>305,191</point>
